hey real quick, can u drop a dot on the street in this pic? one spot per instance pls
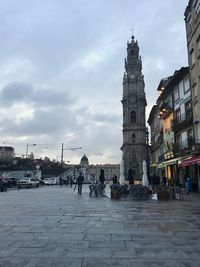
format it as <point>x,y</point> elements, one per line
<point>54,226</point>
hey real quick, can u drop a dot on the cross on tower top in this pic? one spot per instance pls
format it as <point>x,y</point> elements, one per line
<point>132,31</point>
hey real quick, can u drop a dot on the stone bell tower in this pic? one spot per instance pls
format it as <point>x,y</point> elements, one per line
<point>134,146</point>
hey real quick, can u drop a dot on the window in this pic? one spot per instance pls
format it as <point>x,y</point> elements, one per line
<point>192,57</point>
<point>197,6</point>
<point>190,134</point>
<point>133,138</point>
<point>133,116</point>
<point>189,20</point>
<point>178,115</point>
<point>188,110</point>
<point>132,52</point>
<point>176,94</point>
<point>195,92</point>
<point>198,47</point>
<point>178,141</point>
<point>186,85</point>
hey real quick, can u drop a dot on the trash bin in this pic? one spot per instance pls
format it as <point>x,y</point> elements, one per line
<point>163,195</point>
<point>115,193</point>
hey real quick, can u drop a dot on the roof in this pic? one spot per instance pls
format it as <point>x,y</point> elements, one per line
<point>152,113</point>
<point>7,148</point>
<point>84,158</point>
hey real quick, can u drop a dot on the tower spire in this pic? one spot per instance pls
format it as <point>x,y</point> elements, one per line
<point>134,103</point>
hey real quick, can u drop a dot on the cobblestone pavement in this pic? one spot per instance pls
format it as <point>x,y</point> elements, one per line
<point>54,226</point>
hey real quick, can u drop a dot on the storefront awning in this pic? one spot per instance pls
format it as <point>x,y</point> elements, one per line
<point>171,162</point>
<point>190,161</point>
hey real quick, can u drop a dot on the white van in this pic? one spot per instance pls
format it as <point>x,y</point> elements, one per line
<point>51,181</point>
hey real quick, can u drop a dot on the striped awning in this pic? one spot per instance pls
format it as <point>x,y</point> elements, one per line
<point>190,161</point>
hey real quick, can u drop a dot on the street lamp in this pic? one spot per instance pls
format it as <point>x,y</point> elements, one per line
<point>70,148</point>
<point>27,145</point>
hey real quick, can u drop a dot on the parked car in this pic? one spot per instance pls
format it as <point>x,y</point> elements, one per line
<point>51,181</point>
<point>28,183</point>
<point>3,185</point>
<point>11,182</point>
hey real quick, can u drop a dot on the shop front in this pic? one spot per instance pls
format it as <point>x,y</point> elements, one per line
<point>191,167</point>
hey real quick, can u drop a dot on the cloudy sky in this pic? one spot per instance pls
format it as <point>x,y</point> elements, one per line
<point>61,69</point>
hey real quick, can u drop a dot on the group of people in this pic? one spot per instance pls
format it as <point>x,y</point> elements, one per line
<point>155,180</point>
<point>80,180</point>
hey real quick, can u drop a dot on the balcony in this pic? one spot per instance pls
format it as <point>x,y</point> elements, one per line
<point>184,147</point>
<point>165,110</point>
<point>183,121</point>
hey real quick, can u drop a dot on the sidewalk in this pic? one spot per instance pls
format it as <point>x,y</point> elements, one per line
<point>54,226</point>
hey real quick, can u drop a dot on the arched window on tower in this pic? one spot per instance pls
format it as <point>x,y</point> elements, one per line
<point>132,52</point>
<point>133,138</point>
<point>133,116</point>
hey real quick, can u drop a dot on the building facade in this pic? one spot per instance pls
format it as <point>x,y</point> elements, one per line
<point>134,145</point>
<point>7,152</point>
<point>172,134</point>
<point>192,21</point>
<point>92,172</point>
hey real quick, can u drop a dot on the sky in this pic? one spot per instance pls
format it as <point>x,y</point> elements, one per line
<point>62,65</point>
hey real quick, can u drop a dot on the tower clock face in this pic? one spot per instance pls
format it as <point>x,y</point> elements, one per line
<point>132,76</point>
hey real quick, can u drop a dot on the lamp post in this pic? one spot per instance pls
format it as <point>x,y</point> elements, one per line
<point>27,145</point>
<point>69,148</point>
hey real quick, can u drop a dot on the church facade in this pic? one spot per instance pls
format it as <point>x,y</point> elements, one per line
<point>134,145</point>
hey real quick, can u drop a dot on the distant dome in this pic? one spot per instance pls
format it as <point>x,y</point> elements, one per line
<point>84,162</point>
<point>84,158</point>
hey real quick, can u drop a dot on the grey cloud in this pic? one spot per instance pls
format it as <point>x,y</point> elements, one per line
<point>54,43</point>
<point>16,92</point>
<point>25,93</point>
<point>48,122</point>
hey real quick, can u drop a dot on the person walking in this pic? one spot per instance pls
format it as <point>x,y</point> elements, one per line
<point>79,182</point>
<point>102,179</point>
<point>188,185</point>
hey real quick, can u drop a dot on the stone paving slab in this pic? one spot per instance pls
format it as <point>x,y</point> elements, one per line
<point>54,226</point>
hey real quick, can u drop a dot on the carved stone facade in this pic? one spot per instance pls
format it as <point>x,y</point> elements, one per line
<point>134,146</point>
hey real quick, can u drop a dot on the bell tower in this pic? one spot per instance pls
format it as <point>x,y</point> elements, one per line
<point>134,145</point>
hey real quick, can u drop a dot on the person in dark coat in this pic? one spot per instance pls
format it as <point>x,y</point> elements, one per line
<point>164,180</point>
<point>102,179</point>
<point>79,182</point>
<point>114,179</point>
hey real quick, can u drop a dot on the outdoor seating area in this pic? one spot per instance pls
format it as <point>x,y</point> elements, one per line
<point>165,192</point>
<point>138,192</point>
<point>97,190</point>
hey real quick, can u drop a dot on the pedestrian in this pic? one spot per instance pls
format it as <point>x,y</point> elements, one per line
<point>114,179</point>
<point>102,178</point>
<point>79,182</point>
<point>164,180</point>
<point>131,178</point>
<point>188,185</point>
<point>71,181</point>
